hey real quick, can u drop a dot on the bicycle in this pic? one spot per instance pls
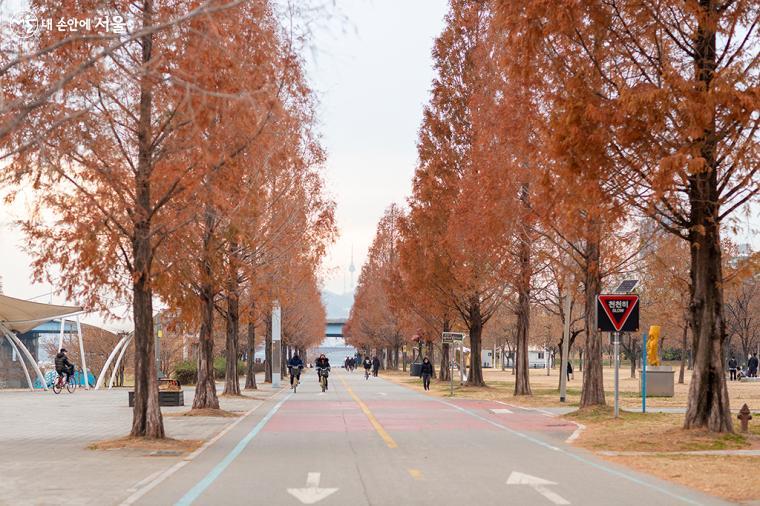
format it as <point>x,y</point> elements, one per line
<point>296,378</point>
<point>366,374</point>
<point>323,373</point>
<point>60,383</point>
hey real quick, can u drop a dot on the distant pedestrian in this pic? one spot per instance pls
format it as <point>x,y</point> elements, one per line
<point>375,366</point>
<point>569,370</point>
<point>426,372</point>
<point>732,365</point>
<point>752,366</point>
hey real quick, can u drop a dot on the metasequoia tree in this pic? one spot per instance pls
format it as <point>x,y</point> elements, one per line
<point>116,181</point>
<point>374,321</point>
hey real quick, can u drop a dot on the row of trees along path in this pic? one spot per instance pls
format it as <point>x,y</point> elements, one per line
<point>176,161</point>
<point>562,144</point>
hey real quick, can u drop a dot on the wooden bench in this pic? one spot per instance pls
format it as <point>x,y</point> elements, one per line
<point>169,393</point>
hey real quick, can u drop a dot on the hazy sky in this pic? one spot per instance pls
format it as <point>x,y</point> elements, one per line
<point>371,67</point>
<point>373,75</point>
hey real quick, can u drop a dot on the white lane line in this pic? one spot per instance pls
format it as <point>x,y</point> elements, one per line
<point>579,427</point>
<point>179,465</point>
<point>576,433</point>
<point>501,411</point>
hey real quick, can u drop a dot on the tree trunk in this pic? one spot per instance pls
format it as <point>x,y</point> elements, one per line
<point>250,377</point>
<point>205,389</point>
<point>708,405</point>
<point>445,355</point>
<point>592,393</point>
<point>633,353</point>
<point>684,346</point>
<point>268,350</point>
<point>475,324</point>
<point>231,374</point>
<point>146,416</point>
<point>522,366</point>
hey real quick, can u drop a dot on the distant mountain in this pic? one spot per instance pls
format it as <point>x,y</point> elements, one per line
<point>337,305</point>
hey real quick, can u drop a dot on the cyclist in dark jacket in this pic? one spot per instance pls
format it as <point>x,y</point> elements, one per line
<point>295,364</point>
<point>426,372</point>
<point>62,364</point>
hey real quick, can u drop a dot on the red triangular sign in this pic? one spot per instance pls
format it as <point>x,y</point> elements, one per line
<point>618,308</point>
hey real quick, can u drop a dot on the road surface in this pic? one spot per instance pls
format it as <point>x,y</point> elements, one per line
<point>374,442</point>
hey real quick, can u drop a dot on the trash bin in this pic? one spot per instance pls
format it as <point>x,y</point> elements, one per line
<point>415,369</point>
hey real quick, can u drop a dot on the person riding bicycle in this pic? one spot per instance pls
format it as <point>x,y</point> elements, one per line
<point>63,366</point>
<point>322,364</point>
<point>295,364</point>
<point>367,364</point>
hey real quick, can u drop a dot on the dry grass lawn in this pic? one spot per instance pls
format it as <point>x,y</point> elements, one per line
<point>729,477</point>
<point>501,385</point>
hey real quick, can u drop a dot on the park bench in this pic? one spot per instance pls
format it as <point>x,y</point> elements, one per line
<point>169,393</point>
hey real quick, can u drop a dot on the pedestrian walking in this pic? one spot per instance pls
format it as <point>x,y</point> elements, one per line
<point>426,372</point>
<point>375,366</point>
<point>752,366</point>
<point>569,370</point>
<point>732,365</point>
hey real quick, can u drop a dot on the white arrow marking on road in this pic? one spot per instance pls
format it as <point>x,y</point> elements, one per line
<point>538,484</point>
<point>381,393</point>
<point>312,493</point>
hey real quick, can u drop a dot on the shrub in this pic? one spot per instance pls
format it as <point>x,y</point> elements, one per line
<point>186,372</point>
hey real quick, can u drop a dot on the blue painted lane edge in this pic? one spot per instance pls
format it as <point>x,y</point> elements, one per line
<point>207,480</point>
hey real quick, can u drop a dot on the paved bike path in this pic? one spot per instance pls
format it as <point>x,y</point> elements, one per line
<point>377,442</point>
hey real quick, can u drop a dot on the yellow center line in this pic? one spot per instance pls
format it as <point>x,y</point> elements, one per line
<point>378,428</point>
<point>415,473</point>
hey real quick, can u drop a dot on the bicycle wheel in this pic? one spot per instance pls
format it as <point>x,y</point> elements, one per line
<point>295,385</point>
<point>323,383</point>
<point>71,385</point>
<point>56,387</point>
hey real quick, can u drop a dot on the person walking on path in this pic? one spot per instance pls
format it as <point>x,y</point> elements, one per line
<point>752,366</point>
<point>569,370</point>
<point>732,364</point>
<point>375,366</point>
<point>426,372</point>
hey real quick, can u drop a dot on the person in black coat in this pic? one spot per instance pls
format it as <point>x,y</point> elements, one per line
<point>426,372</point>
<point>375,366</point>
<point>752,366</point>
<point>732,365</point>
<point>62,364</point>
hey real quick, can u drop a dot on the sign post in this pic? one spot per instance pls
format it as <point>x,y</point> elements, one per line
<point>276,344</point>
<point>644,373</point>
<point>451,338</point>
<point>565,351</point>
<point>616,313</point>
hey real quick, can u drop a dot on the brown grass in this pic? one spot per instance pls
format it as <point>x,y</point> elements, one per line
<point>501,385</point>
<point>730,477</point>
<point>140,443</point>
<point>208,412</point>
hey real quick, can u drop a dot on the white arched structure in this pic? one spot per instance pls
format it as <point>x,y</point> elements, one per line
<point>20,316</point>
<point>120,348</point>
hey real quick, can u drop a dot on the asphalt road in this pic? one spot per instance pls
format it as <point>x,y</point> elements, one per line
<point>374,442</point>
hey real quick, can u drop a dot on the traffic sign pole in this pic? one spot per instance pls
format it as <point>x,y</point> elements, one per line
<point>616,351</point>
<point>644,373</point>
